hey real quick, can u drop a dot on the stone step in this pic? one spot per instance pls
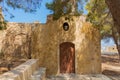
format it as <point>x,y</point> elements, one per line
<point>21,72</point>
<point>79,77</point>
<point>40,74</point>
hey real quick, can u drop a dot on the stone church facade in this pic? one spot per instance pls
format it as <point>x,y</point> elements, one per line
<point>68,45</point>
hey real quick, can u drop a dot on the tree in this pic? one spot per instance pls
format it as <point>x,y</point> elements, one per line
<point>65,7</point>
<point>100,15</point>
<point>114,8</point>
<point>26,5</point>
<point>2,22</point>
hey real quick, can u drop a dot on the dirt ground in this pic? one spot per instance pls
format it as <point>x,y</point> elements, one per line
<point>111,59</point>
<point>111,66</point>
<point>6,66</point>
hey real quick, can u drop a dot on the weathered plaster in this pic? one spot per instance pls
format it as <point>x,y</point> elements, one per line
<point>47,38</point>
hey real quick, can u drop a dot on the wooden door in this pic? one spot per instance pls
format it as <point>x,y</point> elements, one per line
<point>67,57</point>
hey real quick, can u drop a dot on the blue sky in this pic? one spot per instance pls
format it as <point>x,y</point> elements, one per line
<point>21,16</point>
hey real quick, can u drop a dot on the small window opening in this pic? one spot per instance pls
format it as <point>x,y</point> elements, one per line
<point>66,26</point>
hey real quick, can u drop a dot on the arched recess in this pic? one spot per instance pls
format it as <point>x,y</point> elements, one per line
<point>67,57</point>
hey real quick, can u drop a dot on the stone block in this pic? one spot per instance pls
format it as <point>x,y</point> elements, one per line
<point>40,74</point>
<point>22,72</point>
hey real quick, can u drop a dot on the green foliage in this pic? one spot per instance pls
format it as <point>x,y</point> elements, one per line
<point>65,7</point>
<point>2,25</point>
<point>2,22</point>
<point>99,16</point>
<point>26,5</point>
<point>97,10</point>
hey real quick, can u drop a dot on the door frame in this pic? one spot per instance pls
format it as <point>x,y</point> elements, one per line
<point>59,56</point>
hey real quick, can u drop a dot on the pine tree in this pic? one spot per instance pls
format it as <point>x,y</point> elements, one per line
<point>100,16</point>
<point>65,7</point>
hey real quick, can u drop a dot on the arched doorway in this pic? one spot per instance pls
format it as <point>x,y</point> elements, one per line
<point>67,57</point>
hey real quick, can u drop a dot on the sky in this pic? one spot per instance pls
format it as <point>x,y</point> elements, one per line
<point>107,42</point>
<point>21,16</point>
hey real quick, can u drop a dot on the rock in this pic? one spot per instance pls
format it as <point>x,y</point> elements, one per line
<point>16,42</point>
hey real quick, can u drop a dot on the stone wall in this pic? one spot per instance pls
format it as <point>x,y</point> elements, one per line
<point>89,57</point>
<point>111,49</point>
<point>2,37</point>
<point>26,71</point>
<point>46,40</point>
<point>16,41</point>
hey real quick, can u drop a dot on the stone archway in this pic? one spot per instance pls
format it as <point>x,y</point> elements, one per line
<point>67,57</point>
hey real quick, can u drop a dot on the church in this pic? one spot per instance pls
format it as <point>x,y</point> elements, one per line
<point>67,45</point>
